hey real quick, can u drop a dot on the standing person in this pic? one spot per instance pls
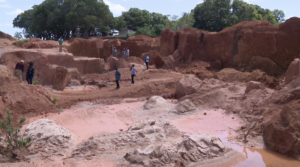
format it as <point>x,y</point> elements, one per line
<point>147,61</point>
<point>133,72</point>
<point>0,55</point>
<point>30,73</point>
<point>19,70</point>
<point>60,41</point>
<point>118,77</point>
<point>127,54</point>
<point>123,53</point>
<point>115,52</point>
<point>77,32</point>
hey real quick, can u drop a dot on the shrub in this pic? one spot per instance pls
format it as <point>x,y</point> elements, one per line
<point>12,138</point>
<point>55,100</point>
<point>35,82</point>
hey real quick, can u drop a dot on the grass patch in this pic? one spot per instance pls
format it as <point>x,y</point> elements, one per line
<point>35,82</point>
<point>20,43</point>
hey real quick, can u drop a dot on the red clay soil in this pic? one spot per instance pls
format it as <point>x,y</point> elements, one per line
<point>159,82</point>
<point>22,99</point>
<point>247,45</point>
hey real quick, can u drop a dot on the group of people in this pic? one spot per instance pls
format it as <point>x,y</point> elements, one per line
<point>19,69</point>
<point>125,53</point>
<point>133,73</point>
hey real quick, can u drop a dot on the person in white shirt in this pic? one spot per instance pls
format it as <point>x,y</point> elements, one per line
<point>127,54</point>
<point>133,72</point>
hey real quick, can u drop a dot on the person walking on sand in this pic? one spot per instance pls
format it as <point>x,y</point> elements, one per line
<point>127,54</point>
<point>30,73</point>
<point>118,77</point>
<point>19,70</point>
<point>133,72</point>
<point>115,52</point>
<point>60,41</point>
<point>147,61</point>
<point>123,53</point>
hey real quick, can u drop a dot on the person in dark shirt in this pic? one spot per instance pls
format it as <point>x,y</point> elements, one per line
<point>19,70</point>
<point>118,77</point>
<point>30,73</point>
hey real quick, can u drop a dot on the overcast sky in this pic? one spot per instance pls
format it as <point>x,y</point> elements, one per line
<point>9,9</point>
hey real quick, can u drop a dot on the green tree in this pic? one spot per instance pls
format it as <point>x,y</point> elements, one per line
<point>279,15</point>
<point>212,15</point>
<point>59,17</point>
<point>18,35</point>
<point>135,18</point>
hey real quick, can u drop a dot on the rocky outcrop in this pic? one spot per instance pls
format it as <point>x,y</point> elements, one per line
<point>184,106</point>
<point>281,133</point>
<point>61,78</point>
<point>248,45</point>
<point>47,138</point>
<point>292,72</point>
<point>114,63</point>
<point>154,58</point>
<point>187,85</point>
<point>254,85</point>
<point>155,102</point>
<point>168,42</point>
<point>152,144</point>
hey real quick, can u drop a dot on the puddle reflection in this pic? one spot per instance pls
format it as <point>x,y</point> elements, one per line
<point>260,157</point>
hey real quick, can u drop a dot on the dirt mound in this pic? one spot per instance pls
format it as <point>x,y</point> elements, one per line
<point>187,85</point>
<point>200,69</point>
<point>157,144</point>
<point>7,36</point>
<point>232,75</point>
<point>88,48</point>
<point>48,138</point>
<point>154,58</point>
<point>136,60</point>
<point>238,46</point>
<point>22,99</point>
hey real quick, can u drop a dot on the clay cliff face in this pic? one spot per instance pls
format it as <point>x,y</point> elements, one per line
<point>247,45</point>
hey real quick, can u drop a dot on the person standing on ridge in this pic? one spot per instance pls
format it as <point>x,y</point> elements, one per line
<point>133,72</point>
<point>19,70</point>
<point>127,54</point>
<point>115,52</point>
<point>60,41</point>
<point>77,32</point>
<point>30,73</point>
<point>118,77</point>
<point>123,53</point>
<point>147,61</point>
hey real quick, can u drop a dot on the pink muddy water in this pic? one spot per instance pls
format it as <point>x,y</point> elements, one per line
<point>219,124</point>
<point>88,119</point>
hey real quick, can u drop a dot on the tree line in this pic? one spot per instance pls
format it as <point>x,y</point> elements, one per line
<point>59,17</point>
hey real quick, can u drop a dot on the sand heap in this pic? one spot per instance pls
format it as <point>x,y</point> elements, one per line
<point>156,144</point>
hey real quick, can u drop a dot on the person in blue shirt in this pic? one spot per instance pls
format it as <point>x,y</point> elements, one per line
<point>118,77</point>
<point>133,72</point>
<point>147,61</point>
